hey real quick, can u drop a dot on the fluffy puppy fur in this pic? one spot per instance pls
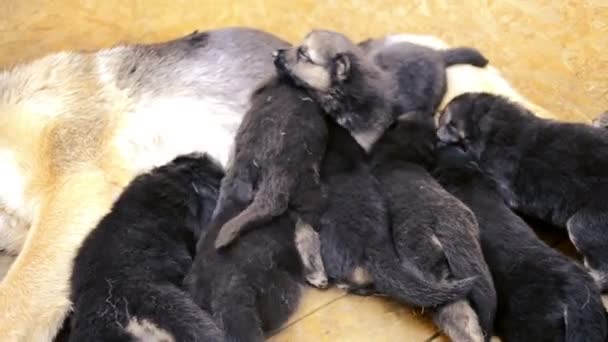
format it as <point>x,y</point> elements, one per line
<point>356,243</point>
<point>431,227</point>
<point>126,283</point>
<point>420,71</point>
<point>542,294</point>
<point>250,287</point>
<point>347,84</point>
<point>277,155</point>
<point>462,78</point>
<point>76,127</point>
<point>553,171</point>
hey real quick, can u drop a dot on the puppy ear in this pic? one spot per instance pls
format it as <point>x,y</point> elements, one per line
<point>342,66</point>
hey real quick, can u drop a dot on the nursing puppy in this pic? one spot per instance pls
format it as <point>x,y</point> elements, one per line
<point>348,85</point>
<point>431,227</point>
<point>420,71</point>
<point>553,171</point>
<point>128,273</point>
<point>76,127</point>
<point>252,286</point>
<point>461,78</point>
<point>356,243</point>
<point>277,155</point>
<point>542,294</point>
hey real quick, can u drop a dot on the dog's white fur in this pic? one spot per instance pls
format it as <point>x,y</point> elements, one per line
<point>70,140</point>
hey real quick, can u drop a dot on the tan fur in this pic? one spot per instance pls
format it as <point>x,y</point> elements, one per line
<point>57,117</point>
<point>361,276</point>
<point>459,322</point>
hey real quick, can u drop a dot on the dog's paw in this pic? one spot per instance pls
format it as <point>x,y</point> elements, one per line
<point>317,279</point>
<point>225,237</point>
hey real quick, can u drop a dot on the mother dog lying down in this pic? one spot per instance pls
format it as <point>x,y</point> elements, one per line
<point>76,127</point>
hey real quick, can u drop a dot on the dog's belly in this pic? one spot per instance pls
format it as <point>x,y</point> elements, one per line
<point>15,217</point>
<point>159,129</point>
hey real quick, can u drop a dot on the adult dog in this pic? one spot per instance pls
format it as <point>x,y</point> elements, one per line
<point>75,128</point>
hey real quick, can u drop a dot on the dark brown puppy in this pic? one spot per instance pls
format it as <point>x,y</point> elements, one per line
<point>553,171</point>
<point>432,228</point>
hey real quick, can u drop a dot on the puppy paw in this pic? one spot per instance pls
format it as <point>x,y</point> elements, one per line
<point>317,279</point>
<point>225,237</point>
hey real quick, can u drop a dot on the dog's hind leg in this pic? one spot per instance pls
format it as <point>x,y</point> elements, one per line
<point>588,231</point>
<point>308,244</point>
<point>34,295</point>
<point>165,313</point>
<point>459,322</point>
<point>234,308</point>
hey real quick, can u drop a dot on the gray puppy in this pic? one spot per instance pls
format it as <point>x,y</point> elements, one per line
<point>420,71</point>
<point>275,165</point>
<point>364,87</point>
<point>431,227</point>
<point>553,171</point>
<point>338,74</point>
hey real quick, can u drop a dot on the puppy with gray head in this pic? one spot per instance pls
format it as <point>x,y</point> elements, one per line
<point>128,273</point>
<point>542,294</point>
<point>275,163</point>
<point>356,242</point>
<point>552,171</point>
<point>431,227</point>
<point>420,71</point>
<point>338,74</point>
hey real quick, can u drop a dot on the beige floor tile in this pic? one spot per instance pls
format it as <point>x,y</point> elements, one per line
<point>360,319</point>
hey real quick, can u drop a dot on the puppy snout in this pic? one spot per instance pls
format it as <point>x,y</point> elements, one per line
<point>279,54</point>
<point>279,59</point>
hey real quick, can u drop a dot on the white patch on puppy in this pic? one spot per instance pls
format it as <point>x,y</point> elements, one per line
<point>146,331</point>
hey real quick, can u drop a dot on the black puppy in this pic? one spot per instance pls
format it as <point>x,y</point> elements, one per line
<point>126,283</point>
<point>432,227</point>
<point>553,171</point>
<point>542,294</point>
<point>276,159</point>
<point>356,243</point>
<point>250,287</point>
<point>420,71</point>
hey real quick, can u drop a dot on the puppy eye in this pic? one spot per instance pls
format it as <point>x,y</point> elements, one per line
<point>302,54</point>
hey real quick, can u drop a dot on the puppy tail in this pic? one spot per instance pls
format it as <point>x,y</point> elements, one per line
<point>267,203</point>
<point>465,259</point>
<point>585,316</point>
<point>403,281</point>
<point>464,55</point>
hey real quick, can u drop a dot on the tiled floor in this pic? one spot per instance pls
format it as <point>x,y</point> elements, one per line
<point>553,51</point>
